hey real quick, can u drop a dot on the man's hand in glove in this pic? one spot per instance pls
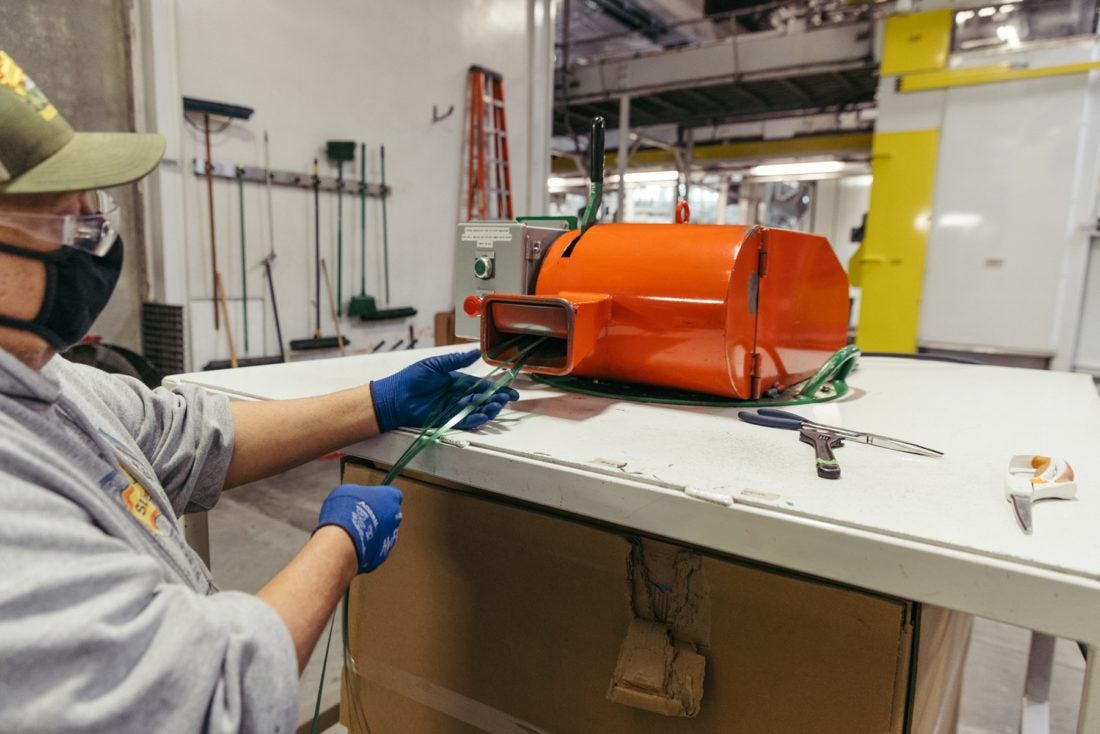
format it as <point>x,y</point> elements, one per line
<point>409,397</point>
<point>370,515</point>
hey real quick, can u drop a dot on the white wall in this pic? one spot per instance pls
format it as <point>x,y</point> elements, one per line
<point>1015,195</point>
<point>839,206</point>
<point>335,70</point>
<point>1015,202</point>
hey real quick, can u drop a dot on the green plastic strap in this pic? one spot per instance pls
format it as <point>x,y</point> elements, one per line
<point>324,667</point>
<point>501,377</point>
<point>828,383</point>
<point>836,369</point>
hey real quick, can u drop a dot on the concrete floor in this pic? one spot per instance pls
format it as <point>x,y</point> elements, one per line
<point>256,529</point>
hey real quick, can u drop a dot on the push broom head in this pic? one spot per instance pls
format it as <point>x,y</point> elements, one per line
<point>340,150</point>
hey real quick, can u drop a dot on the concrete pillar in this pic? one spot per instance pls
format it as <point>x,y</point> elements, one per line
<point>83,66</point>
<point>723,200</point>
<point>623,156</point>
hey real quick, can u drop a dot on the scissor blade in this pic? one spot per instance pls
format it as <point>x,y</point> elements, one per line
<point>895,444</point>
<point>1022,507</point>
<point>875,439</point>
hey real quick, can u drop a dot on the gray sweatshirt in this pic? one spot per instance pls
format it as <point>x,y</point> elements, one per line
<point>108,621</point>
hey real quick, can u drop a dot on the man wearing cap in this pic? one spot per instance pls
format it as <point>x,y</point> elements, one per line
<point>108,621</point>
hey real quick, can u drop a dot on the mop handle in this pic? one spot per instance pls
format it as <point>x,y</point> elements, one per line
<point>363,218</point>
<point>317,245</point>
<point>339,238</point>
<point>270,208</point>
<point>210,205</point>
<point>385,231</point>
<point>244,258</point>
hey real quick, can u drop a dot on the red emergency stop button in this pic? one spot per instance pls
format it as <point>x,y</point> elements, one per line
<point>472,305</point>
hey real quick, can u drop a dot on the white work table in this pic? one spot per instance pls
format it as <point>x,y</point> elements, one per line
<point>935,530</point>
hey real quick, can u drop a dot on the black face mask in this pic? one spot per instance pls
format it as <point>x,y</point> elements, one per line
<point>78,286</point>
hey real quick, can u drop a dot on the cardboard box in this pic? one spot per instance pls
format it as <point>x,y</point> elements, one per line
<point>493,617</point>
<point>444,332</point>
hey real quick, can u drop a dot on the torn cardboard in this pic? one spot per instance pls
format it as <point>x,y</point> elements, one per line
<point>667,585</point>
<point>659,668</point>
<point>655,674</point>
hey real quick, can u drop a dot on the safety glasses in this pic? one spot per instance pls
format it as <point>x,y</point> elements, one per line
<point>93,233</point>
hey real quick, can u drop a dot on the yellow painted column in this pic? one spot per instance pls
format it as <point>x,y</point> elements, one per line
<point>916,42</point>
<point>889,266</point>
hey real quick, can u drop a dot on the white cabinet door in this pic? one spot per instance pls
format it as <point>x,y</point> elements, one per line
<point>1009,168</point>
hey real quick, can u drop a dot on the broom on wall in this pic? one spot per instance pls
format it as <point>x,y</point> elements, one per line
<point>317,341</point>
<point>365,306</point>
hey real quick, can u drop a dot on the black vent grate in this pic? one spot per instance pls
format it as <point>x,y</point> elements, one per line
<point>162,336</point>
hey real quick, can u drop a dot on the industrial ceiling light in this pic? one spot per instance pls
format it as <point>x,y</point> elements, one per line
<point>651,176</point>
<point>809,168</point>
<point>1009,35</point>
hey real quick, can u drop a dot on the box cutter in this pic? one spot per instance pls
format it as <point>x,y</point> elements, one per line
<point>1031,478</point>
<point>825,438</point>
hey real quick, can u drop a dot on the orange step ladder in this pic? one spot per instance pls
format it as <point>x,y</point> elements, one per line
<point>488,177</point>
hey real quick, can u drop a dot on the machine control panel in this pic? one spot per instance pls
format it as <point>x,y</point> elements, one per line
<point>495,257</point>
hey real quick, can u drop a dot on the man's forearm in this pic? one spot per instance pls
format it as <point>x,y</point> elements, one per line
<point>275,435</point>
<point>308,589</point>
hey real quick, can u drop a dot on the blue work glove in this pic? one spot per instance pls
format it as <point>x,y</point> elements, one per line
<point>409,397</point>
<point>370,515</point>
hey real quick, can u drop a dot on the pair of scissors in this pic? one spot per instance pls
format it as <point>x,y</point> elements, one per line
<point>785,419</point>
<point>824,438</point>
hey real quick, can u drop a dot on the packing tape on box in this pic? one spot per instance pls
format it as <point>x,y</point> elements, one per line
<point>436,697</point>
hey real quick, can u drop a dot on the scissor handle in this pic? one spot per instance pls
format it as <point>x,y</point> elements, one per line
<point>761,418</point>
<point>786,414</point>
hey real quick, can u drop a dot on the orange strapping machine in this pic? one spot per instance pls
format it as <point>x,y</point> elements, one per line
<point>733,311</point>
<point>725,310</point>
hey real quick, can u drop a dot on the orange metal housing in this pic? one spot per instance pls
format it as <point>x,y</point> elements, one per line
<point>726,310</point>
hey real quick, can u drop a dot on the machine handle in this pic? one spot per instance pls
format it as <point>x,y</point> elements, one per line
<point>595,151</point>
<point>595,180</point>
<point>683,212</point>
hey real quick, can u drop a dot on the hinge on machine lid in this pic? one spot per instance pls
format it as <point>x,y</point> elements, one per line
<point>762,262</point>
<point>532,248</point>
<point>754,377</point>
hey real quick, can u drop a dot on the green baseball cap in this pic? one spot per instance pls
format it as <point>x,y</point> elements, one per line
<point>40,153</point>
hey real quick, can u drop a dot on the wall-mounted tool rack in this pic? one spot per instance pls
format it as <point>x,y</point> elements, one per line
<point>304,180</point>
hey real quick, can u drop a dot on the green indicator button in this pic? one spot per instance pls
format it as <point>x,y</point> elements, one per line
<point>483,268</point>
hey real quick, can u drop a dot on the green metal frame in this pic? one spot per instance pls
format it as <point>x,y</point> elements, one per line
<point>569,221</point>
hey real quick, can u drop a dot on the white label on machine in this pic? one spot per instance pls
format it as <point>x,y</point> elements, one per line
<point>486,236</point>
